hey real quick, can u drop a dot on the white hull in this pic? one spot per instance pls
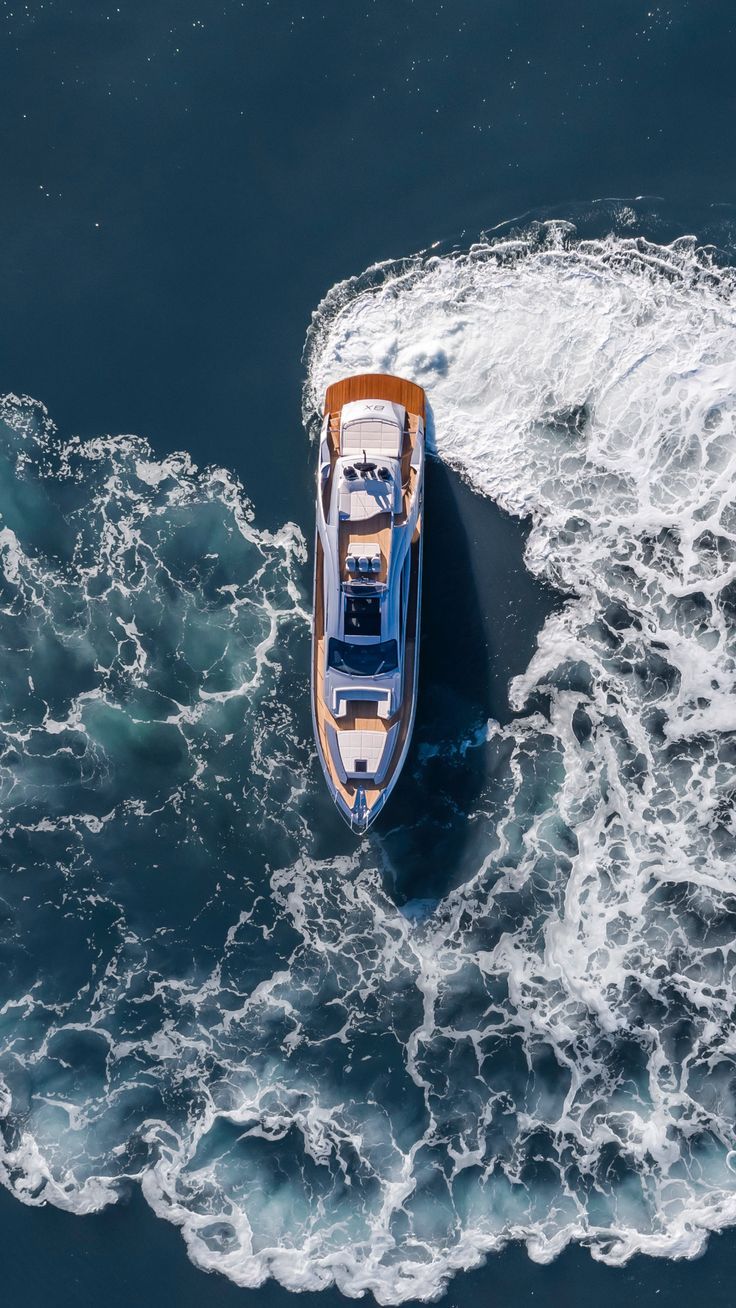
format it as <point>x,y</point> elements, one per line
<point>367,589</point>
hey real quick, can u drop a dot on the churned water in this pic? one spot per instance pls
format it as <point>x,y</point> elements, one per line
<point>320,1066</point>
<point>489,1050</point>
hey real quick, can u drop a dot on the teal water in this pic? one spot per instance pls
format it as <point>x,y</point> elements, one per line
<point>501,1028</point>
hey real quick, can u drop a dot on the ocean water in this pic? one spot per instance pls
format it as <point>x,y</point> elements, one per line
<point>489,1049</point>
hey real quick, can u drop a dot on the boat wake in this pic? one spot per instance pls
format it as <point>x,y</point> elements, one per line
<point>313,1084</point>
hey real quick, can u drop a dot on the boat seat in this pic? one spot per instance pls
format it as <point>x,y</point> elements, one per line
<point>361,751</point>
<point>366,498</point>
<point>343,697</point>
<point>374,435</point>
<point>363,754</point>
<point>363,556</point>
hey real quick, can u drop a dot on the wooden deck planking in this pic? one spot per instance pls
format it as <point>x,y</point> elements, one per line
<point>378,529</point>
<point>362,715</point>
<point>376,386</point>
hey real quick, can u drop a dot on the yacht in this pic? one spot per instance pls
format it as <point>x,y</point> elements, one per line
<point>367,587</point>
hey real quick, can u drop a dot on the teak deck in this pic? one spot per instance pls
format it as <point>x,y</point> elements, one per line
<point>376,386</point>
<point>363,714</point>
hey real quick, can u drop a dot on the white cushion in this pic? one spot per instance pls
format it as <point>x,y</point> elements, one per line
<point>366,745</point>
<point>366,499</point>
<point>374,435</point>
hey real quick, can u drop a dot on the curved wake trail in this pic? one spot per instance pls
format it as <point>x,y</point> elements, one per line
<point>312,1084</point>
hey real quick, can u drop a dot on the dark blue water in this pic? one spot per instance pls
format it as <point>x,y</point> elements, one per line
<point>183,185</point>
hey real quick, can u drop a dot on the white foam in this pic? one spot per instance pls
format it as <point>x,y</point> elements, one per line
<point>592,387</point>
<point>548,1055</point>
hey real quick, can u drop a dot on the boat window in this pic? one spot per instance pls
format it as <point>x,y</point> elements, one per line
<point>360,586</point>
<point>363,660</point>
<point>362,615</point>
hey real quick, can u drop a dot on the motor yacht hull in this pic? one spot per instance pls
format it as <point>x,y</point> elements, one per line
<point>367,588</point>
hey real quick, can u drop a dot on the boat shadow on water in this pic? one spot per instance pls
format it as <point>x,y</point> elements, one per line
<point>481,615</point>
<point>482,611</point>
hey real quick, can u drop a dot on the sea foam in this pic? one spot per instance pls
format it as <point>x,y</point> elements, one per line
<point>313,1084</point>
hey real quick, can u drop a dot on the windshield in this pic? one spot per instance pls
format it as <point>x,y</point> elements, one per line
<point>363,660</point>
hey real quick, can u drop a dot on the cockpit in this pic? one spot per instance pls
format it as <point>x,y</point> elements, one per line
<point>366,488</point>
<point>362,614</point>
